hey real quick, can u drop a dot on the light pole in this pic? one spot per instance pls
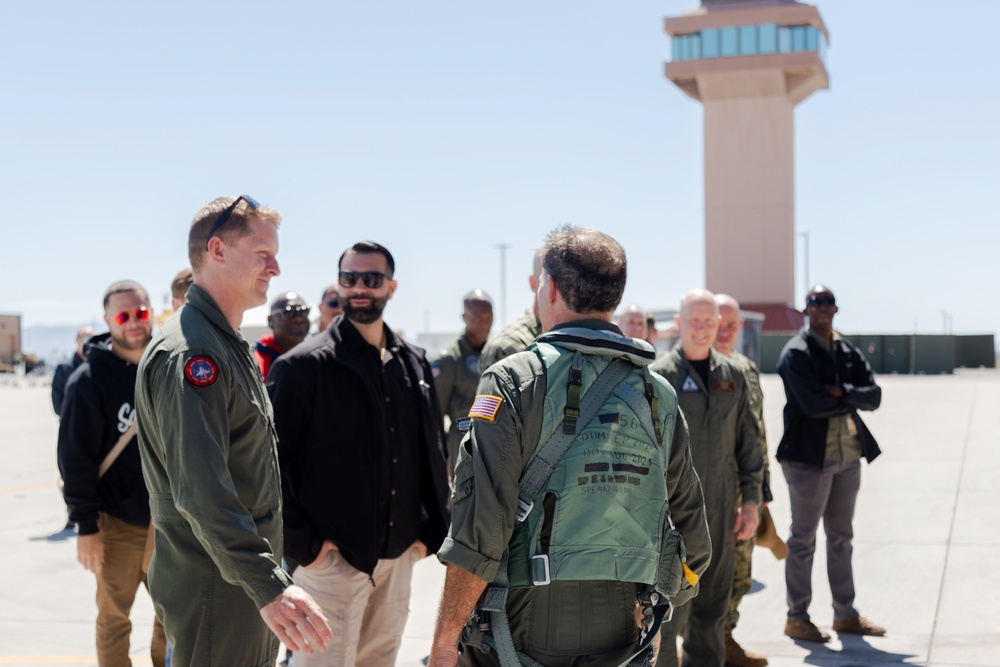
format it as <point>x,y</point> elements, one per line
<point>502,247</point>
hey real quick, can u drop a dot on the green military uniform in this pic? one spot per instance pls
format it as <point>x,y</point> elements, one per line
<point>725,447</point>
<point>514,338</point>
<point>564,622</point>
<point>456,374</point>
<point>742,576</point>
<point>208,446</point>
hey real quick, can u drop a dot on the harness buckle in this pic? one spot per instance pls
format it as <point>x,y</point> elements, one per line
<point>540,575</point>
<point>523,510</point>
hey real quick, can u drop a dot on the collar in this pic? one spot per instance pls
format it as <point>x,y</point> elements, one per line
<point>355,341</point>
<point>599,337</point>
<point>819,339</point>
<point>714,357</point>
<point>203,303</point>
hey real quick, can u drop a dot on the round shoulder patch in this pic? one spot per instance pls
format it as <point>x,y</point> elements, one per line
<point>201,371</point>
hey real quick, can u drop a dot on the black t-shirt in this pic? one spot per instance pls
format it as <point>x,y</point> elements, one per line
<point>701,367</point>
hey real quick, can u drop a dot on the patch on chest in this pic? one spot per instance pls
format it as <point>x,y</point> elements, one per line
<point>201,371</point>
<point>689,385</point>
<point>724,386</point>
<point>472,364</point>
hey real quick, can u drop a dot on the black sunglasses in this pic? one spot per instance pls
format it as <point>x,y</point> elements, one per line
<point>292,311</point>
<point>251,202</point>
<point>333,303</point>
<point>371,279</point>
<point>821,301</point>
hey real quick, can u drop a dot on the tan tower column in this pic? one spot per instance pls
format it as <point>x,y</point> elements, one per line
<point>749,62</point>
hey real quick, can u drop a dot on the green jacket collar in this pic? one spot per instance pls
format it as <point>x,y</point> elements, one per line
<point>201,301</point>
<point>601,338</point>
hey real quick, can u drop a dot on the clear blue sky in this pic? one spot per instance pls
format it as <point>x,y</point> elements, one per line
<point>442,129</point>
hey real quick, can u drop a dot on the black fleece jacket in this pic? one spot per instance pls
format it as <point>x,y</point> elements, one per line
<point>98,407</point>
<point>804,366</point>
<point>331,424</point>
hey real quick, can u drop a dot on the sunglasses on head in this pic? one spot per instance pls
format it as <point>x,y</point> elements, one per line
<point>141,314</point>
<point>251,202</point>
<point>821,301</point>
<point>371,279</point>
<point>292,311</point>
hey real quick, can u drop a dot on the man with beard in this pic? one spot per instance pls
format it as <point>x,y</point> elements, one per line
<point>289,322</point>
<point>361,451</point>
<point>104,489</point>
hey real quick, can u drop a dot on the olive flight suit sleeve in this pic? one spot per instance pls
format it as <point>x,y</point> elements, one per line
<point>292,389</point>
<point>445,372</point>
<point>687,505</point>
<point>749,453</point>
<point>484,496</point>
<point>196,431</point>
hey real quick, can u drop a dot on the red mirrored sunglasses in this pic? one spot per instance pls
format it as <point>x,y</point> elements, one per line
<point>141,314</point>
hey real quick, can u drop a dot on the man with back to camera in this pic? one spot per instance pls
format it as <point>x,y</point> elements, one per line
<point>827,380</point>
<point>522,331</point>
<point>730,325</point>
<point>364,478</point>
<point>289,323</point>
<point>208,445</point>
<point>725,445</point>
<point>330,305</point>
<point>102,472</point>
<point>456,368</point>
<point>574,582</point>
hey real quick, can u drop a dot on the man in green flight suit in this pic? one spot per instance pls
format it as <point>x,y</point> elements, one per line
<point>456,367</point>
<point>725,446</point>
<point>611,474</point>
<point>208,447</point>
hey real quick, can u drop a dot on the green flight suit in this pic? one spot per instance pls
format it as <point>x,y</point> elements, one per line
<point>564,622</point>
<point>456,374</point>
<point>725,446</point>
<point>516,337</point>
<point>208,447</point>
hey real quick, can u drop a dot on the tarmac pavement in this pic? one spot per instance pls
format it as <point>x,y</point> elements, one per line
<point>925,552</point>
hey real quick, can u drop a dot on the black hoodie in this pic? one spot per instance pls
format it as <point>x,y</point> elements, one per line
<point>98,407</point>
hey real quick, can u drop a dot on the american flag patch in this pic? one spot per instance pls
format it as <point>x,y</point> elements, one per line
<point>486,407</point>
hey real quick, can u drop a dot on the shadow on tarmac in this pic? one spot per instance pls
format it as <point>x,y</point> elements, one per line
<point>855,652</point>
<point>60,536</point>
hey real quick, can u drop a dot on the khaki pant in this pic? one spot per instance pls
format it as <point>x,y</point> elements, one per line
<point>367,621</point>
<point>121,575</point>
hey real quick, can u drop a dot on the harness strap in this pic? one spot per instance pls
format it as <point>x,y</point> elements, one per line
<point>571,413</point>
<point>549,454</point>
<point>654,405</point>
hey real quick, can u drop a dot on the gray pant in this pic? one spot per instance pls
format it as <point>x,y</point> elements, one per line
<point>827,493</point>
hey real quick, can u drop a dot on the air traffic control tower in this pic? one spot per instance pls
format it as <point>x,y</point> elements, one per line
<point>749,62</point>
